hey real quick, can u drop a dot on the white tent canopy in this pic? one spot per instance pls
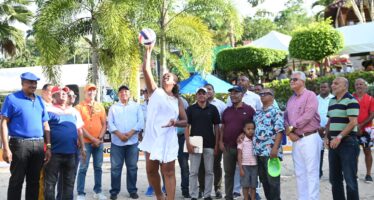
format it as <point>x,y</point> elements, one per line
<point>70,74</point>
<point>358,38</point>
<point>273,40</point>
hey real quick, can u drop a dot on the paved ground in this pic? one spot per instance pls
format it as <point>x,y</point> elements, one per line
<point>288,183</point>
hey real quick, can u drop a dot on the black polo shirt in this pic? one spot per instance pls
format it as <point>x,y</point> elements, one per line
<point>202,121</point>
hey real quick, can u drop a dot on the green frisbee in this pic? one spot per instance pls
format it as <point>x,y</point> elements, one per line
<point>274,167</point>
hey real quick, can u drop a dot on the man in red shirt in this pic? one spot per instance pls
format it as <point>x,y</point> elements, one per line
<point>365,118</point>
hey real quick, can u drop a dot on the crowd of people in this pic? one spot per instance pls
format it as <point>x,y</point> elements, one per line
<point>49,142</point>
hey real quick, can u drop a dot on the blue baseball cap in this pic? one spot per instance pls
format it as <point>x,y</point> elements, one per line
<point>29,76</point>
<point>236,88</point>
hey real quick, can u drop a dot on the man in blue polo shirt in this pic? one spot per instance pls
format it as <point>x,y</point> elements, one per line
<point>66,125</point>
<point>25,120</point>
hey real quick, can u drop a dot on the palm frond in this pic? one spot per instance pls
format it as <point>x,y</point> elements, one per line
<point>191,35</point>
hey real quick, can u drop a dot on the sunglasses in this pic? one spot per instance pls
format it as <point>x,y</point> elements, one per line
<point>294,79</point>
<point>262,94</point>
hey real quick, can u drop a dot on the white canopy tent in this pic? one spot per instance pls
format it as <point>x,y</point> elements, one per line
<point>358,38</point>
<point>70,74</point>
<point>273,40</point>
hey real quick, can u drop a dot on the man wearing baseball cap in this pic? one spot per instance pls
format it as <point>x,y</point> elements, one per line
<point>25,121</point>
<point>203,120</point>
<point>233,119</point>
<point>94,118</point>
<point>66,128</point>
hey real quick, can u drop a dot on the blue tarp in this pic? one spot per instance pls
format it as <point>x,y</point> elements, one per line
<point>190,85</point>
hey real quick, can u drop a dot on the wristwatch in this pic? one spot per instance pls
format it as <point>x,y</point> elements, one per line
<point>339,136</point>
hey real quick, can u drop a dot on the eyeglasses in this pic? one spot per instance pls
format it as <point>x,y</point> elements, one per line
<point>262,94</point>
<point>72,96</point>
<point>294,79</point>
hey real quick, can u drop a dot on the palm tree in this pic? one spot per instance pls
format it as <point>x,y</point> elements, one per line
<point>183,32</point>
<point>60,24</point>
<point>11,38</point>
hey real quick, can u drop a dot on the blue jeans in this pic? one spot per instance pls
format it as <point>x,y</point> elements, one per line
<point>97,155</point>
<point>118,155</point>
<point>343,163</point>
<point>183,163</point>
<point>62,165</point>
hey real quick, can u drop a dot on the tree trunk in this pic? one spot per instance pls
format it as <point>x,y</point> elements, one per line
<point>163,25</point>
<point>371,9</point>
<point>362,11</point>
<point>231,35</point>
<point>337,17</point>
<point>356,10</point>
<point>95,59</point>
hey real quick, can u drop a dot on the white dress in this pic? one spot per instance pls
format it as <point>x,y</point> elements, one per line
<point>161,143</point>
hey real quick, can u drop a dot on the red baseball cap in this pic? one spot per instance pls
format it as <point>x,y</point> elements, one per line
<point>56,89</point>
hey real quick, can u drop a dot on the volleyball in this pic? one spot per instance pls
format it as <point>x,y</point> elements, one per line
<point>147,36</point>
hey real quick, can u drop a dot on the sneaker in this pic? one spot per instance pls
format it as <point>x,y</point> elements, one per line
<point>208,198</point>
<point>218,194</point>
<point>236,195</point>
<point>149,192</point>
<point>163,189</point>
<point>134,196</point>
<point>113,197</point>
<point>368,179</point>
<point>81,197</point>
<point>99,196</point>
<point>193,199</point>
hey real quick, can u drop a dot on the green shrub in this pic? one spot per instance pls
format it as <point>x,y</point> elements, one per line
<point>283,90</point>
<point>249,58</point>
<point>315,41</point>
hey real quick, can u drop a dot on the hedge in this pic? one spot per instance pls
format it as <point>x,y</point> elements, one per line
<point>244,58</point>
<point>283,90</point>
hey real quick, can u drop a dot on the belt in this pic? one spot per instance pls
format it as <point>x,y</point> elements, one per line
<point>306,134</point>
<point>26,139</point>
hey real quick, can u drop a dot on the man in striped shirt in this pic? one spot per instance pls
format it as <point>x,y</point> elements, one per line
<point>341,140</point>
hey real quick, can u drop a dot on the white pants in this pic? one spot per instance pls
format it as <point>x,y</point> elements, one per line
<point>306,154</point>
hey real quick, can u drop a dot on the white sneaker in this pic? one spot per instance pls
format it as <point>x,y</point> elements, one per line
<point>81,197</point>
<point>100,196</point>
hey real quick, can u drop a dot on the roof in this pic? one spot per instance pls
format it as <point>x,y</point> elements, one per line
<point>70,74</point>
<point>190,85</point>
<point>358,38</point>
<point>273,40</point>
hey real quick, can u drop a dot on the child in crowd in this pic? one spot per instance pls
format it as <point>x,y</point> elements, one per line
<point>248,162</point>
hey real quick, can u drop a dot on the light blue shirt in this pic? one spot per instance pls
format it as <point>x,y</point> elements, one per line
<point>323,106</point>
<point>125,118</point>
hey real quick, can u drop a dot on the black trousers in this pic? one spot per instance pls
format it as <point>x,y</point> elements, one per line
<point>27,161</point>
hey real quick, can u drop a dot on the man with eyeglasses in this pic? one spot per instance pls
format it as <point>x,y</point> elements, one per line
<point>233,119</point>
<point>66,131</point>
<point>302,119</point>
<point>25,120</point>
<point>267,141</point>
<point>71,97</point>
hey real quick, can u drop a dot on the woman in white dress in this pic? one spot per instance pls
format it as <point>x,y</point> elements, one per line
<point>165,112</point>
